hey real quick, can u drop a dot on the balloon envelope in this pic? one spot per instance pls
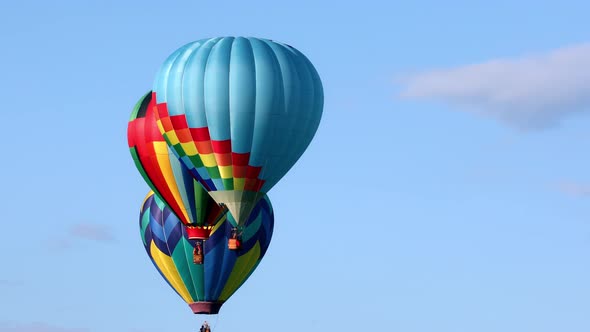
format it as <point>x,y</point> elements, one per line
<point>239,112</point>
<point>205,287</point>
<point>165,174</point>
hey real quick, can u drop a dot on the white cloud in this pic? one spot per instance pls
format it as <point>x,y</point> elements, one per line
<point>528,92</point>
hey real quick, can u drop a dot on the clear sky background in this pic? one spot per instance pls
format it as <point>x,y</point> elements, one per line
<point>446,189</point>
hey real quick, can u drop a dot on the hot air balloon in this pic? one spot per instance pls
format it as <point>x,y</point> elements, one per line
<point>166,175</point>
<point>204,287</point>
<point>238,112</point>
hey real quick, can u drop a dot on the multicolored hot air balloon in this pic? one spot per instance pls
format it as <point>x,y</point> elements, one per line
<point>238,112</point>
<point>205,287</point>
<point>166,175</point>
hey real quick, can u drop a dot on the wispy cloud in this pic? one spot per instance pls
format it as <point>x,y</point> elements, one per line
<point>574,188</point>
<point>9,282</point>
<point>84,232</point>
<point>95,232</point>
<point>36,327</point>
<point>529,92</point>
<point>59,244</point>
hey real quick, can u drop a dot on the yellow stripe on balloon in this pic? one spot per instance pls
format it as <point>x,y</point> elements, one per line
<point>239,183</point>
<point>160,148</point>
<point>242,268</point>
<point>160,126</point>
<point>226,172</point>
<point>166,265</point>
<point>208,160</point>
<point>166,169</point>
<point>189,148</point>
<point>172,138</point>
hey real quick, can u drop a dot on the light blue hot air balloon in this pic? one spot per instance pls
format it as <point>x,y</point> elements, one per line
<point>238,112</point>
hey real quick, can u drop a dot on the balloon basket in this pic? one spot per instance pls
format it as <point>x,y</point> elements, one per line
<point>206,308</point>
<point>198,233</point>
<point>233,244</point>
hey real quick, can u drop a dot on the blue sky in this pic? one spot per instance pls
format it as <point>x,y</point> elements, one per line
<point>446,188</point>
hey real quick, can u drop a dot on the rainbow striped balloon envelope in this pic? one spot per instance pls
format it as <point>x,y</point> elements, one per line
<point>166,175</point>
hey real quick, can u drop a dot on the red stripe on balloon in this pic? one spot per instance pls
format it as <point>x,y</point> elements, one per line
<point>184,135</point>
<point>253,172</point>
<point>239,172</point>
<point>179,122</point>
<point>131,133</point>
<point>223,159</point>
<point>240,159</point>
<point>204,147</point>
<point>221,146</point>
<point>200,134</point>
